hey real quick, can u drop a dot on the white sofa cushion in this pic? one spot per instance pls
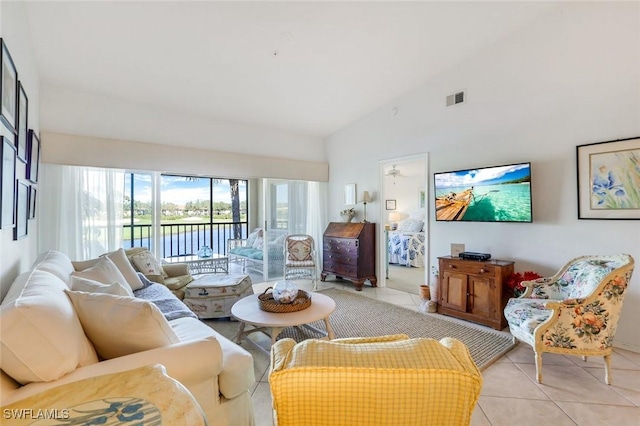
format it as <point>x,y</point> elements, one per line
<point>119,326</point>
<point>56,263</point>
<point>119,258</point>
<point>104,271</point>
<point>36,313</point>
<point>91,286</point>
<point>237,371</point>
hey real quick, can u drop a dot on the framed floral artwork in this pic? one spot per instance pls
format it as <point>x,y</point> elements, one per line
<point>8,87</point>
<point>609,179</point>
<point>23,118</point>
<point>391,204</point>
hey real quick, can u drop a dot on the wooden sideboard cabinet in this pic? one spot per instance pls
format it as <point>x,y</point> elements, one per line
<point>349,252</point>
<point>474,290</point>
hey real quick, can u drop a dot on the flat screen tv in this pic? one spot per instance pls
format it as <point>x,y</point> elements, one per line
<point>485,194</point>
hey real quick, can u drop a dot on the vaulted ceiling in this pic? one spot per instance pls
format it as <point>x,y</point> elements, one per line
<point>305,67</point>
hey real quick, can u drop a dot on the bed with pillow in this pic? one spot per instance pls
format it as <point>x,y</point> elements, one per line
<point>406,244</point>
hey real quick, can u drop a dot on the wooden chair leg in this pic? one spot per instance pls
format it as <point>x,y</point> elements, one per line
<point>539,367</point>
<point>607,366</point>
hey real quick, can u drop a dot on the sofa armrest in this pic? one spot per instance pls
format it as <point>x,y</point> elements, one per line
<point>542,288</point>
<point>238,373</point>
<point>176,269</point>
<point>187,362</point>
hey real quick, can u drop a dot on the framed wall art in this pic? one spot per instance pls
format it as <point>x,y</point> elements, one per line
<point>421,198</point>
<point>22,122</point>
<point>8,87</point>
<point>391,204</point>
<point>33,145</point>
<point>22,210</point>
<point>609,179</point>
<point>350,194</point>
<point>32,203</point>
<point>8,183</point>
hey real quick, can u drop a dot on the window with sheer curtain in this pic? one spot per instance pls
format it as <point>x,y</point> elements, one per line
<point>83,215</point>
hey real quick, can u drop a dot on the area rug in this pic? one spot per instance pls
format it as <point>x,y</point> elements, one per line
<point>361,316</point>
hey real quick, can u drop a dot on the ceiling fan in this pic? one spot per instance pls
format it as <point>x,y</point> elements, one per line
<point>393,173</point>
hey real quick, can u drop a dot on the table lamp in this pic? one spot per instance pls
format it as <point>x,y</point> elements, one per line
<point>394,218</point>
<point>366,198</point>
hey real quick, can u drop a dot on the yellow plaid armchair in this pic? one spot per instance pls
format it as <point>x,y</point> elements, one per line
<point>388,380</point>
<point>575,312</point>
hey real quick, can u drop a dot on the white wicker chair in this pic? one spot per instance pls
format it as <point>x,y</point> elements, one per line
<point>300,260</point>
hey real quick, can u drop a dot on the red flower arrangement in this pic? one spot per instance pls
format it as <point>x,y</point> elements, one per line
<point>514,280</point>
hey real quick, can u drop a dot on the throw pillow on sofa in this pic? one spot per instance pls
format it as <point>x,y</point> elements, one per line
<point>41,338</point>
<point>54,262</point>
<point>150,267</point>
<point>104,271</point>
<point>119,326</point>
<point>91,286</point>
<point>119,258</point>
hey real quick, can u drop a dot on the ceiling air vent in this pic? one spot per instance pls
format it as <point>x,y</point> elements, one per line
<point>456,98</point>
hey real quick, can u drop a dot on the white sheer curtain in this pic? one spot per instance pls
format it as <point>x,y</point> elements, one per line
<point>317,216</point>
<point>83,210</point>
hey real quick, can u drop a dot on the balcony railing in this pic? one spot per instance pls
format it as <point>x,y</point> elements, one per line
<point>186,238</point>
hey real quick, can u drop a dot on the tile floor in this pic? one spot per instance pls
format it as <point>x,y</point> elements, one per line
<point>573,392</point>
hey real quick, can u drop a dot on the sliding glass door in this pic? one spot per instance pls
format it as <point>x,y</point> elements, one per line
<point>286,212</point>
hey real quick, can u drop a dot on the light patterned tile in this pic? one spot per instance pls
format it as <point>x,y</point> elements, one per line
<point>618,362</point>
<point>523,354</point>
<point>573,384</point>
<point>624,382</point>
<point>596,414</point>
<point>262,408</point>
<point>519,385</point>
<point>397,299</point>
<point>522,412</point>
<point>478,417</point>
<point>631,356</point>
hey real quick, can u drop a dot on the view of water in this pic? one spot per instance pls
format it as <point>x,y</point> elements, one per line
<point>187,243</point>
<point>499,203</point>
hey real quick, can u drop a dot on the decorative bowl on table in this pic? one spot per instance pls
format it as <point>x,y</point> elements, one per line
<point>285,291</point>
<point>267,302</point>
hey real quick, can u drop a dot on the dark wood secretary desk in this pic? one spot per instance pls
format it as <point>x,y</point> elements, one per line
<point>349,252</point>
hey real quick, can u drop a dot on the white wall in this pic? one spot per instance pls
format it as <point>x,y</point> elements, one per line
<point>84,114</point>
<point>17,256</point>
<point>571,78</point>
<point>405,190</point>
<point>102,152</point>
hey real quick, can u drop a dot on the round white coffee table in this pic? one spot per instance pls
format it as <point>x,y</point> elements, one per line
<point>246,310</point>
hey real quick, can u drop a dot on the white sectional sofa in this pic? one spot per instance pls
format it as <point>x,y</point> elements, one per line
<point>46,340</point>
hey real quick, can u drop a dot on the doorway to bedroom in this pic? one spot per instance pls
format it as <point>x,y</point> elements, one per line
<point>404,238</point>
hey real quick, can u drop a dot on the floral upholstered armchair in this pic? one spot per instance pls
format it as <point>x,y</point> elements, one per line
<point>575,312</point>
